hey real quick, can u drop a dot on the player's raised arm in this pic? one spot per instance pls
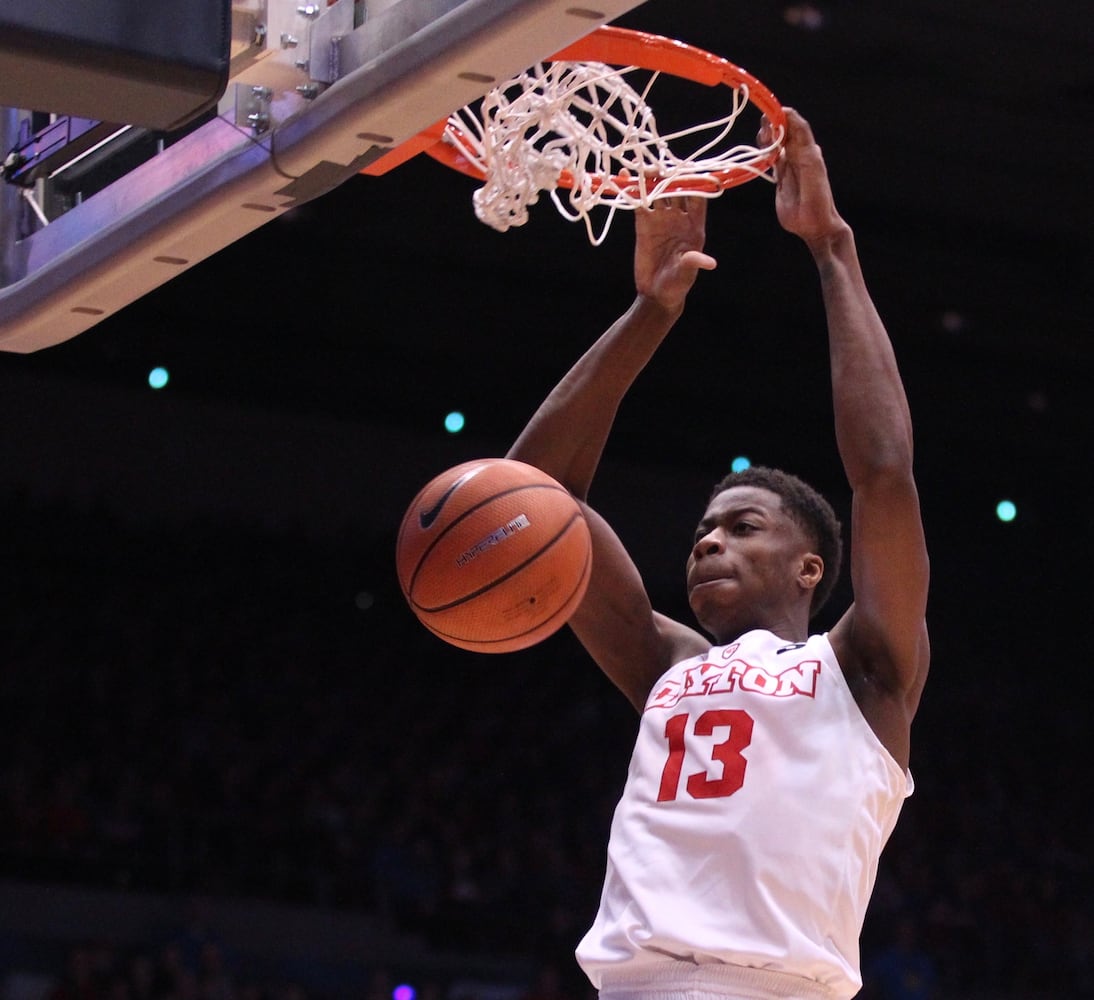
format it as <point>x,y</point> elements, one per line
<point>566,436</point>
<point>882,641</point>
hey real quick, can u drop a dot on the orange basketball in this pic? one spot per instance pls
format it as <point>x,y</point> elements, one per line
<point>493,555</point>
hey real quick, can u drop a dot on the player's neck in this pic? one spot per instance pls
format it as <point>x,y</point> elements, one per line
<point>791,627</point>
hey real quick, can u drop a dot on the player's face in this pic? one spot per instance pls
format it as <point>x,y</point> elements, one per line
<point>750,565</point>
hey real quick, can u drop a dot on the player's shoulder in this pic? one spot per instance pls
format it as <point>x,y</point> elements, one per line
<point>896,663</point>
<point>677,641</point>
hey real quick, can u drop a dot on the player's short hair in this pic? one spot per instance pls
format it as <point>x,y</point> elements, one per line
<point>809,510</point>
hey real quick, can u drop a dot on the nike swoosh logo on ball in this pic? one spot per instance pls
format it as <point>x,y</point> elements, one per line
<point>427,517</point>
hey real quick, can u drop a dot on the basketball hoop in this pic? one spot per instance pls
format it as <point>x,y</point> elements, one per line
<point>576,126</point>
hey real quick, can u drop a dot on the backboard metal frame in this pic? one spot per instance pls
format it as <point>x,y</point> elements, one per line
<point>313,99</point>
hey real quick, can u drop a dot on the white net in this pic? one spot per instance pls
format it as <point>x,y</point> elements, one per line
<point>583,133</point>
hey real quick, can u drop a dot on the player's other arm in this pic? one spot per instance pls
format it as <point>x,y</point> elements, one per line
<point>567,434</point>
<point>883,639</point>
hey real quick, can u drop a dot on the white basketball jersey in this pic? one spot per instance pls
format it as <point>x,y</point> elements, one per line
<point>749,831</point>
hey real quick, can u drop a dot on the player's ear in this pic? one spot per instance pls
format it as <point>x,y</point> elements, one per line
<point>811,570</point>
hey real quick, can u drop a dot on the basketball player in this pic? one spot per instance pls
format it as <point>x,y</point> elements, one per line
<point>770,763</point>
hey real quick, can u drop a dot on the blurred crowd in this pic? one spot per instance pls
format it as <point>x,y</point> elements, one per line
<point>212,709</point>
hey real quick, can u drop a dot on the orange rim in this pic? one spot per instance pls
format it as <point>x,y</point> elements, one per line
<point>626,47</point>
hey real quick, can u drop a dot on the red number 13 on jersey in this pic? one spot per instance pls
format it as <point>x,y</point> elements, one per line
<point>727,753</point>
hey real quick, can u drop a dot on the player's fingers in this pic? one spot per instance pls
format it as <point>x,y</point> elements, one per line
<point>678,202</point>
<point>798,130</point>
<point>763,136</point>
<point>699,260</point>
<point>778,168</point>
<point>693,205</point>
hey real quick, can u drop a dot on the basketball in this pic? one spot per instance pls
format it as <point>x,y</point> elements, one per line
<point>493,555</point>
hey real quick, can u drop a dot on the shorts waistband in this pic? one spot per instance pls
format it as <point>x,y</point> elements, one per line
<point>672,980</point>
